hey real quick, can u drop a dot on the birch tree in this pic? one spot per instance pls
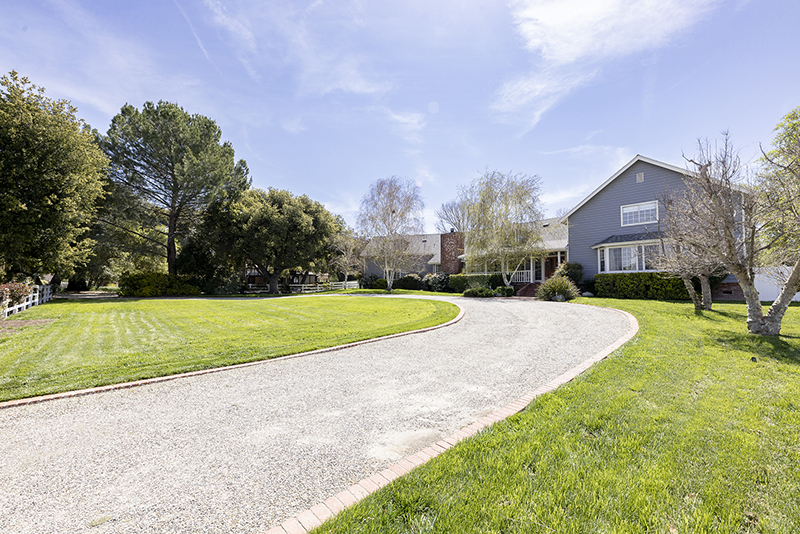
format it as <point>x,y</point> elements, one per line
<point>347,247</point>
<point>390,212</point>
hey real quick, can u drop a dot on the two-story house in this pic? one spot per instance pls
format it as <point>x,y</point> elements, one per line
<point>615,228</point>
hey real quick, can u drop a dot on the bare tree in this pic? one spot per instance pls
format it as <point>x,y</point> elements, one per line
<point>347,246</point>
<point>452,217</point>
<point>504,220</point>
<point>687,262</point>
<point>678,257</point>
<point>390,212</point>
<point>729,221</point>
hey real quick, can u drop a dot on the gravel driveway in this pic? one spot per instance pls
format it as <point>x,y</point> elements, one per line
<point>240,451</point>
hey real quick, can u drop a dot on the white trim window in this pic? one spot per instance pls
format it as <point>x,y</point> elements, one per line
<point>642,213</point>
<point>627,259</point>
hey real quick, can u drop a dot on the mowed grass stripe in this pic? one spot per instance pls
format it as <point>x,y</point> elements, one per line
<point>93,343</point>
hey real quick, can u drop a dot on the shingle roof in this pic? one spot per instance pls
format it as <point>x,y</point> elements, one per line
<point>629,238</point>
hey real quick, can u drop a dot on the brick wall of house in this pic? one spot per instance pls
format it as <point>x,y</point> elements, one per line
<point>452,248</point>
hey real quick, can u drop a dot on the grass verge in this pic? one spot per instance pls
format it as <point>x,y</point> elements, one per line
<point>76,344</point>
<point>679,431</point>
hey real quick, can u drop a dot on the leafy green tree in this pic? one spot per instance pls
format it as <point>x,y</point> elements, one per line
<point>175,165</point>
<point>504,214</point>
<point>51,176</point>
<point>273,231</point>
<point>209,257</point>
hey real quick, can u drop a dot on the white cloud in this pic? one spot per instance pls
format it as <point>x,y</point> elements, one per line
<point>614,156</point>
<point>409,125</point>
<point>423,174</point>
<point>194,32</point>
<point>572,39</point>
<point>601,161</point>
<point>88,62</point>
<point>239,26</point>
<point>326,73</point>
<point>312,42</point>
<point>294,126</point>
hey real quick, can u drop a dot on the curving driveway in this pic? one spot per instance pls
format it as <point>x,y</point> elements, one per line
<point>242,450</point>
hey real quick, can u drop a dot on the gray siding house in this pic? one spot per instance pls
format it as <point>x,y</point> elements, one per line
<point>615,228</point>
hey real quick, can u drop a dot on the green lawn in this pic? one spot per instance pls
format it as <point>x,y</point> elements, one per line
<point>96,342</point>
<point>677,432</point>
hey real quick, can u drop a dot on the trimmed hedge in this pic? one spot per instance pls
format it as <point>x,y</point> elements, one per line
<point>380,283</point>
<point>155,285</point>
<point>648,286</point>
<point>479,292</point>
<point>504,291</point>
<point>461,282</point>
<point>410,281</point>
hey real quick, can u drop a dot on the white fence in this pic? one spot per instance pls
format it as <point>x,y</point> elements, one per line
<point>326,286</point>
<point>39,295</point>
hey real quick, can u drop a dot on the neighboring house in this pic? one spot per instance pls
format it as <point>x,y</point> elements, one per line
<point>423,256</point>
<point>615,228</point>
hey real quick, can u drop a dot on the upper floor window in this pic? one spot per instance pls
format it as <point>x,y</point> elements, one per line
<point>640,213</point>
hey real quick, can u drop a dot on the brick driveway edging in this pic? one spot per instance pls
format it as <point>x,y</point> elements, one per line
<point>321,512</point>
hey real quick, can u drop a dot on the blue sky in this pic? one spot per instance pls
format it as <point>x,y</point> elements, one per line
<point>324,97</point>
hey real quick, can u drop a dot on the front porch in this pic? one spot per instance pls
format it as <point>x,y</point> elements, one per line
<point>535,270</point>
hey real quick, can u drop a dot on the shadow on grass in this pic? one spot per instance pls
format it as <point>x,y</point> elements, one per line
<point>767,347</point>
<point>719,314</point>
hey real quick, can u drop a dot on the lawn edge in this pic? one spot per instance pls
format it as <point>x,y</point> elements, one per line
<point>319,513</point>
<point>156,380</point>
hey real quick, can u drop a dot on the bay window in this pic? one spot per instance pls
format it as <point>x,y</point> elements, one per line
<point>631,258</point>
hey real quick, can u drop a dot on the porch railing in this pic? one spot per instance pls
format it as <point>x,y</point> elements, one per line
<point>519,277</point>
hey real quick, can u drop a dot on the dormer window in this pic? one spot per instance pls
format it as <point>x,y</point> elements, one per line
<point>645,212</point>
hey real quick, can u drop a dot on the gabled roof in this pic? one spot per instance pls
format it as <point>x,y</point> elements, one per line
<point>625,167</point>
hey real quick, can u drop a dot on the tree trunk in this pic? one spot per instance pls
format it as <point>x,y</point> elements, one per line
<point>172,254</point>
<point>705,286</point>
<point>687,281</point>
<point>776,312</point>
<point>756,322</point>
<point>273,283</point>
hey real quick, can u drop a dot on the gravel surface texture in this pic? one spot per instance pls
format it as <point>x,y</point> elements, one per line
<point>240,451</point>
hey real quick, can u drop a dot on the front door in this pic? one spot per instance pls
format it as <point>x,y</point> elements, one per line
<point>550,266</point>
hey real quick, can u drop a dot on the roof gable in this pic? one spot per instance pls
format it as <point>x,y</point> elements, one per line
<point>617,174</point>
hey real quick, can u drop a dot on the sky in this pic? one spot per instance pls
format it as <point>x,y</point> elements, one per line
<point>323,98</point>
